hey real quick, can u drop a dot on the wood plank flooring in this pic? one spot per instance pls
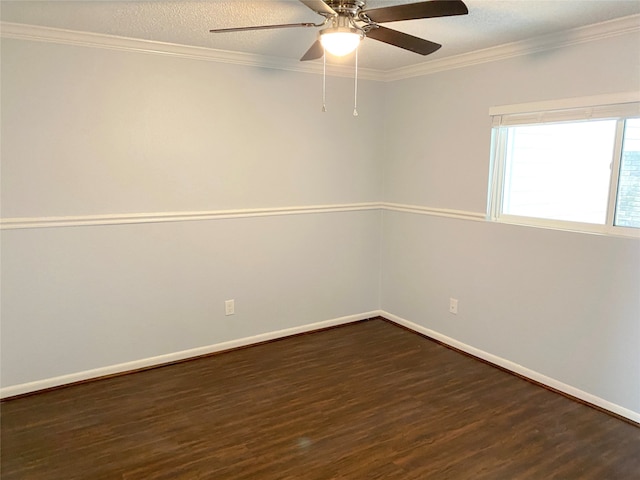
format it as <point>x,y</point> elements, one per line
<point>364,401</point>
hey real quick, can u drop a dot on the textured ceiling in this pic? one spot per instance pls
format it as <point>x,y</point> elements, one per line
<point>489,23</point>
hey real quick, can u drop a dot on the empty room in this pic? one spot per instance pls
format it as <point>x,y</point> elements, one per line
<point>306,239</point>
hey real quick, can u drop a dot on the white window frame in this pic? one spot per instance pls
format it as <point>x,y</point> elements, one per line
<point>618,106</point>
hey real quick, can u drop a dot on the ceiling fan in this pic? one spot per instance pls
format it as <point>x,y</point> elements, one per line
<point>349,21</point>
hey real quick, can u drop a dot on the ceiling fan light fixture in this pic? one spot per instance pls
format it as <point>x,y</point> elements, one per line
<point>340,41</point>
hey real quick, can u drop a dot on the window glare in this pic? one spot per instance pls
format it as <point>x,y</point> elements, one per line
<point>561,171</point>
<point>628,200</point>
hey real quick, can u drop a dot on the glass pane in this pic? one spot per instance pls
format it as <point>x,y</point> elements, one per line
<point>628,201</point>
<point>559,171</point>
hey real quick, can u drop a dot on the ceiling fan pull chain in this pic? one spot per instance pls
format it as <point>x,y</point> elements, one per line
<point>355,97</point>
<point>324,81</point>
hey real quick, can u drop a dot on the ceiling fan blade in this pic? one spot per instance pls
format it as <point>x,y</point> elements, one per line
<point>414,11</point>
<point>403,40</point>
<point>264,27</point>
<point>316,51</point>
<point>319,6</point>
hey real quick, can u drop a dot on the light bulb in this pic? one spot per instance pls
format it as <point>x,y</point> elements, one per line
<point>340,41</point>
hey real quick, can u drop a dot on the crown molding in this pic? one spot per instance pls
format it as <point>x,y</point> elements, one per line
<point>575,36</point>
<point>589,33</point>
<point>112,42</point>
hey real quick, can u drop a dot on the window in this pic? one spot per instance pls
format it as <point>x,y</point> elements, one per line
<point>575,168</point>
<point>628,198</point>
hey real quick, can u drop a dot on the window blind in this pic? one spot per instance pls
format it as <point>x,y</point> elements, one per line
<point>621,110</point>
<point>621,105</point>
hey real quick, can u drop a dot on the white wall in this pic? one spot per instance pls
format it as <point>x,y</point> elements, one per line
<point>88,131</point>
<point>82,298</point>
<point>95,132</point>
<point>565,305</point>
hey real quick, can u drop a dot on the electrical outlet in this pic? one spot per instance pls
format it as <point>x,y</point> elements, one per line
<point>453,306</point>
<point>229,307</point>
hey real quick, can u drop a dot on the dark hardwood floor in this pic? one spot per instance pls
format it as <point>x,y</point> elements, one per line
<point>364,401</point>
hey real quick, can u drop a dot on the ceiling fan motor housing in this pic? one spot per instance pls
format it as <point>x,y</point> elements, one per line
<point>346,7</point>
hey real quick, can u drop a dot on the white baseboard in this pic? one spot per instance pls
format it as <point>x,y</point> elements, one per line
<point>46,383</point>
<point>514,367</point>
<point>37,385</point>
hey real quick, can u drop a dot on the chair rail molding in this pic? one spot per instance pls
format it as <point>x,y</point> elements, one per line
<point>18,223</point>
